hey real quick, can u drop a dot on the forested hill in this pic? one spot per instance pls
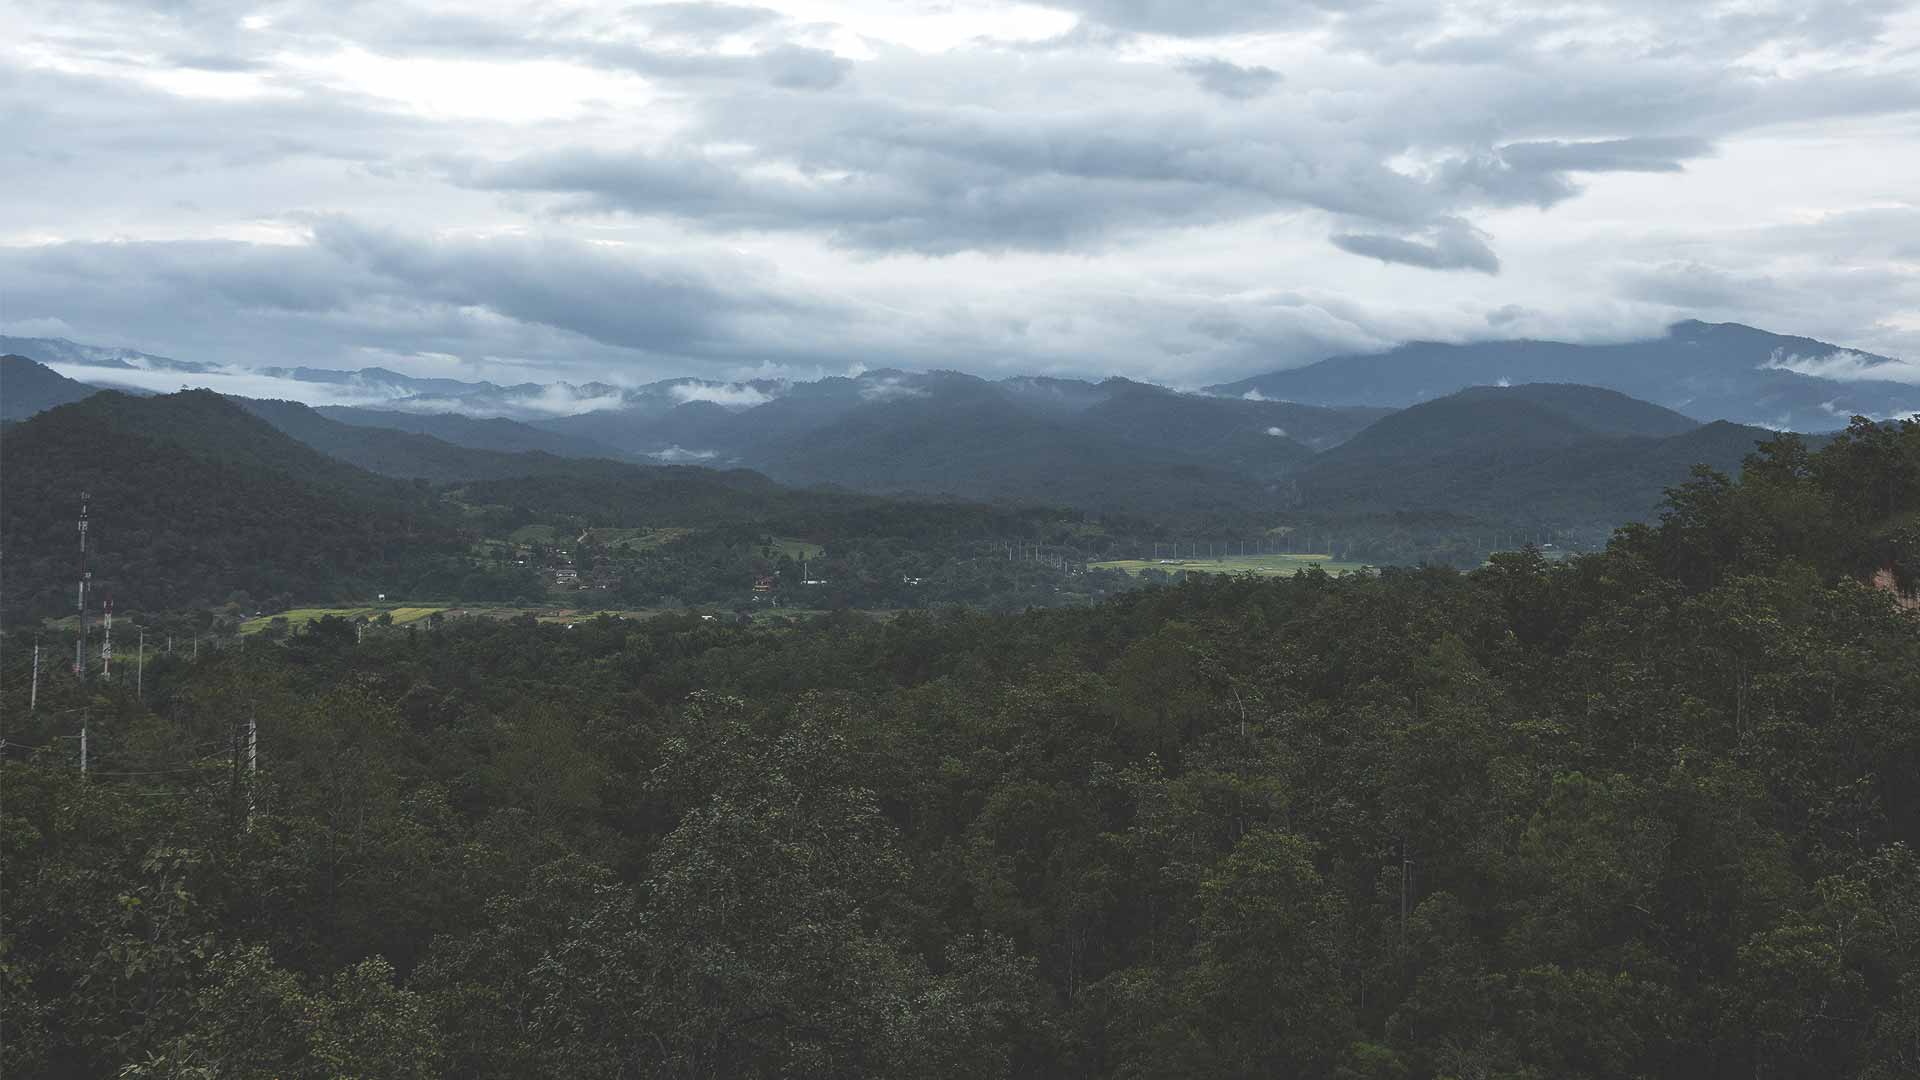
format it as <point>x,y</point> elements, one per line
<point>28,387</point>
<point>1711,371</point>
<point>1645,813</point>
<point>198,503</point>
<point>409,455</point>
<point>477,433</point>
<point>1571,454</point>
<point>193,501</point>
<point>974,443</point>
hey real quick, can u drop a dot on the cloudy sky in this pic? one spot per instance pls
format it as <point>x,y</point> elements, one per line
<point>1178,190</point>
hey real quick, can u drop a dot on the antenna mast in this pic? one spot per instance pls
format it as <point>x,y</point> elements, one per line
<point>106,642</point>
<point>80,645</point>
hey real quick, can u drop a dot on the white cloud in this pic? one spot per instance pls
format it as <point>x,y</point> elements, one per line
<point>597,191</point>
<point>731,395</point>
<point>241,383</point>
<point>676,455</point>
<point>890,388</point>
<point>1845,365</point>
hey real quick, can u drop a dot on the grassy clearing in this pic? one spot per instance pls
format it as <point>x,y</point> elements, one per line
<point>1262,565</point>
<point>532,534</point>
<point>635,539</point>
<point>299,617</point>
<point>550,613</point>
<point>796,549</point>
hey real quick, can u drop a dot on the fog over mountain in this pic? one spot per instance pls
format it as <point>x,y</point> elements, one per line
<point>1705,371</point>
<point>1442,429</point>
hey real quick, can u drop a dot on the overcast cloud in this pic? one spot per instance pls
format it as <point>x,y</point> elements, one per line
<point>1181,190</point>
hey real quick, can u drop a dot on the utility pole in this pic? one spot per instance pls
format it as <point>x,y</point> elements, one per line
<point>140,671</point>
<point>83,746</point>
<point>33,696</point>
<point>1406,890</point>
<point>106,644</point>
<point>253,763</point>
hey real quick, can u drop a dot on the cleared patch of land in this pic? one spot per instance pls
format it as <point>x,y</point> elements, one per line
<point>299,617</point>
<point>796,549</point>
<point>1262,565</point>
<point>550,613</point>
<point>635,539</point>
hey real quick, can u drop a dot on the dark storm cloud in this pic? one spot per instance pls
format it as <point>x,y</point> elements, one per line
<point>883,176</point>
<point>354,283</point>
<point>1536,173</point>
<point>875,169</point>
<point>920,213</point>
<point>938,205</point>
<point>582,310</point>
<point>635,302</point>
<point>1231,80</point>
<point>1452,245</point>
<point>699,127</point>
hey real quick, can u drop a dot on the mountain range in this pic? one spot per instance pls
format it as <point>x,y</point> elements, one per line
<point>1709,371</point>
<point>1421,427</point>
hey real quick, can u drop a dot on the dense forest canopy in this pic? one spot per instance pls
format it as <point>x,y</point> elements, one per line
<point>1646,812</point>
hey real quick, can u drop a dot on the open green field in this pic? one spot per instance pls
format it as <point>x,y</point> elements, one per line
<point>796,549</point>
<point>298,617</point>
<point>1263,565</point>
<point>551,613</point>
<point>635,539</point>
<point>532,534</point>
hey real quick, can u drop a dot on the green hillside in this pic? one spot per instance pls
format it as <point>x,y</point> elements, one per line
<point>1571,455</point>
<point>192,502</point>
<point>28,387</point>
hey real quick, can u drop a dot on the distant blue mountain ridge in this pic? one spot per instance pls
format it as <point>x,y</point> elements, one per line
<point>1704,371</point>
<point>1708,371</point>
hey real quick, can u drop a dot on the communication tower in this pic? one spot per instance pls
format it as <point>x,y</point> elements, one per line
<point>86,575</point>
